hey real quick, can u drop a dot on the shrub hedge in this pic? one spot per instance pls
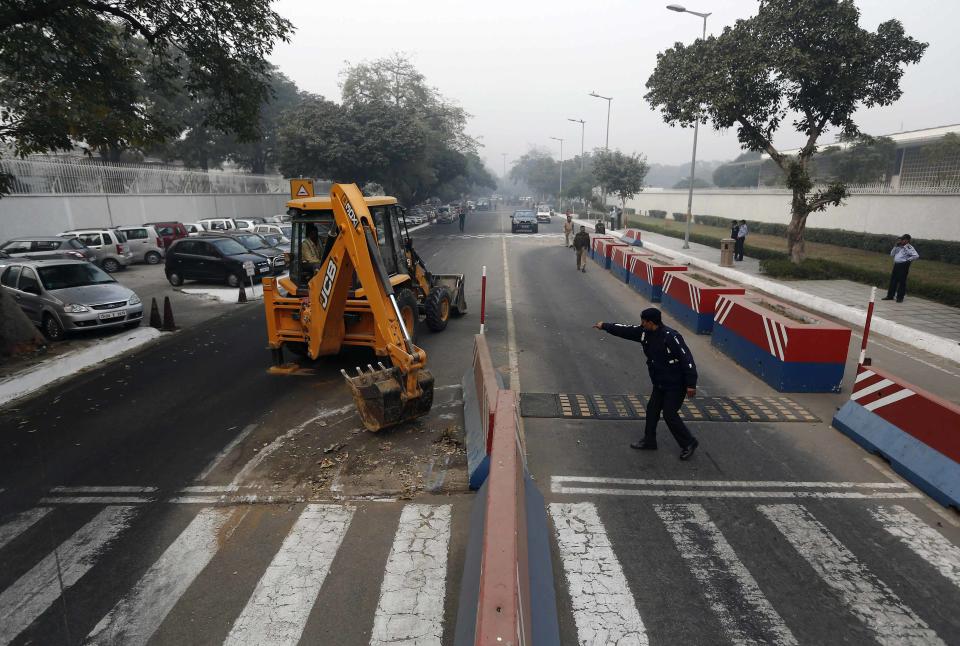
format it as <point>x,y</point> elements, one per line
<point>681,217</point>
<point>657,213</point>
<point>777,265</point>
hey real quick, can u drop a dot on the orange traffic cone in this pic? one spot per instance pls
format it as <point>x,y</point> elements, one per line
<point>168,324</point>
<point>155,315</point>
<point>242,298</point>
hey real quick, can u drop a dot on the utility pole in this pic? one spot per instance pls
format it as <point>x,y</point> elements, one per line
<point>560,139</point>
<point>606,146</point>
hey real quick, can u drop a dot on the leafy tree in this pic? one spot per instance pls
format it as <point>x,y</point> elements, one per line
<point>697,183</point>
<point>578,184</point>
<point>866,160</point>
<point>622,174</point>
<point>538,170</point>
<point>804,60</point>
<point>736,174</point>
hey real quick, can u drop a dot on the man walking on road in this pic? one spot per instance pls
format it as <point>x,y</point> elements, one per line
<point>581,242</point>
<point>673,373</point>
<point>567,229</point>
<point>903,255</point>
<point>463,215</point>
<point>741,239</point>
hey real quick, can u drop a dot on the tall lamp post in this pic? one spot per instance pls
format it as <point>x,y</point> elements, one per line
<point>560,139</point>
<point>583,128</point>
<point>606,146</point>
<point>696,130</point>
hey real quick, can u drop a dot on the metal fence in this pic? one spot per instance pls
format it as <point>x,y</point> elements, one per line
<point>879,188</point>
<point>33,176</point>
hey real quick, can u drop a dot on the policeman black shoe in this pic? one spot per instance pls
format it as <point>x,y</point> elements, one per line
<point>687,453</point>
<point>644,446</point>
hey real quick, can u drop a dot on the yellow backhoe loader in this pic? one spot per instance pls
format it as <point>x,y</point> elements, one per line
<point>356,280</point>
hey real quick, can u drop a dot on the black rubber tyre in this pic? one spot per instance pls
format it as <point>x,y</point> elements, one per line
<point>299,349</point>
<point>234,280</point>
<point>536,228</point>
<point>175,279</point>
<point>110,265</point>
<point>152,258</point>
<point>438,308</point>
<point>513,229</point>
<point>409,310</point>
<point>52,328</point>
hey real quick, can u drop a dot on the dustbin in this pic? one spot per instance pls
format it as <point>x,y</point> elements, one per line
<point>726,252</point>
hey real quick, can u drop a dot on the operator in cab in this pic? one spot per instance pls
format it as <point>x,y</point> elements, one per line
<point>310,249</point>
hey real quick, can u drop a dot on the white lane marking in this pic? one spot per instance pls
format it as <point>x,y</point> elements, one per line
<point>734,483</point>
<point>603,606</point>
<point>210,489</point>
<point>410,609</point>
<point>868,598</point>
<point>21,523</point>
<point>103,489</point>
<point>278,609</point>
<point>923,540</point>
<point>511,328</point>
<point>866,374</point>
<point>215,462</point>
<point>711,493</point>
<point>889,399</point>
<point>95,500</point>
<point>135,618</point>
<point>268,450</point>
<point>733,593</point>
<point>872,388</point>
<point>31,595</point>
<point>911,356</point>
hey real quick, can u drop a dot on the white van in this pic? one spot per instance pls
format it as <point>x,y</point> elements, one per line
<point>218,224</point>
<point>144,243</point>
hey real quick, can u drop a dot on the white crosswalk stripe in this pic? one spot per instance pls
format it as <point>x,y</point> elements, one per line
<point>604,609</point>
<point>33,592</point>
<point>410,610</point>
<point>280,605</point>
<point>733,593</point>
<point>868,598</point>
<point>923,540</point>
<point>21,523</point>
<point>138,615</point>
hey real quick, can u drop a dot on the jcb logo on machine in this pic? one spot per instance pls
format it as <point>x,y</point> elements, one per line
<point>328,279</point>
<point>350,213</point>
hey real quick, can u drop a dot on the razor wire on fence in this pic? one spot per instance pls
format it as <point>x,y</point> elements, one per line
<point>63,176</point>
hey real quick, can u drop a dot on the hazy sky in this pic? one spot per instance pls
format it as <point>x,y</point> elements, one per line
<point>522,68</point>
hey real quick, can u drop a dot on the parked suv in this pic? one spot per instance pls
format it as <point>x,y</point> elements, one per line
<point>169,231</point>
<point>63,296</point>
<point>145,245</point>
<point>257,244</point>
<point>109,245</point>
<point>212,259</point>
<point>42,247</point>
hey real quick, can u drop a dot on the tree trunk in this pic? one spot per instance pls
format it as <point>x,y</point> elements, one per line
<point>796,246</point>
<point>17,333</point>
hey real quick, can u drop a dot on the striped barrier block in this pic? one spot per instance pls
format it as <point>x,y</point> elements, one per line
<point>646,275</point>
<point>620,260</point>
<point>480,383</point>
<point>692,297</point>
<point>916,431</point>
<point>632,237</point>
<point>603,248</point>
<point>790,349</point>
<point>593,243</point>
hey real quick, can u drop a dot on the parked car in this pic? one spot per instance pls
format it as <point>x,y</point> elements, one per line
<point>48,247</point>
<point>245,225</point>
<point>277,241</point>
<point>280,218</point>
<point>193,228</point>
<point>169,231</point>
<point>218,224</point>
<point>284,230</point>
<point>213,259</point>
<point>62,296</point>
<point>109,245</point>
<point>524,220</point>
<point>257,244</point>
<point>543,213</point>
<point>145,244</point>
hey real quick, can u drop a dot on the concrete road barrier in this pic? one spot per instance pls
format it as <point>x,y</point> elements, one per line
<point>632,237</point>
<point>646,275</point>
<point>507,592</point>
<point>692,301</point>
<point>620,260</point>
<point>917,432</point>
<point>790,349</point>
<point>602,250</point>
<point>481,383</point>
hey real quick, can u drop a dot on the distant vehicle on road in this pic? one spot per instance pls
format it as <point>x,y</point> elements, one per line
<point>169,231</point>
<point>446,214</point>
<point>110,246</point>
<point>48,247</point>
<point>145,244</point>
<point>62,296</point>
<point>524,220</point>
<point>213,259</point>
<point>544,213</point>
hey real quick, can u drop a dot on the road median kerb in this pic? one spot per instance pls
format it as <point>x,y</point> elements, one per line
<point>919,339</point>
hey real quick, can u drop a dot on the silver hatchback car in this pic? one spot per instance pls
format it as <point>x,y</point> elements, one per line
<point>63,296</point>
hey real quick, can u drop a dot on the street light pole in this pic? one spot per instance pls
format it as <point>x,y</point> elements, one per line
<point>504,165</point>
<point>696,131</point>
<point>560,139</point>
<point>606,146</point>
<point>583,127</point>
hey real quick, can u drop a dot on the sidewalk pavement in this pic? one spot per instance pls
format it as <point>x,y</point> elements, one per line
<point>926,325</point>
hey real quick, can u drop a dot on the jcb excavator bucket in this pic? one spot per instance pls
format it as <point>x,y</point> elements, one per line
<point>453,282</point>
<point>381,399</point>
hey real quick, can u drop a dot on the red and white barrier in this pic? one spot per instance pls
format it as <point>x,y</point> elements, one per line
<point>647,274</point>
<point>602,248</point>
<point>632,236</point>
<point>693,302</point>
<point>480,387</point>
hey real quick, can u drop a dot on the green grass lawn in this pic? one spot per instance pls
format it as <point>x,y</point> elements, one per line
<point>936,280</point>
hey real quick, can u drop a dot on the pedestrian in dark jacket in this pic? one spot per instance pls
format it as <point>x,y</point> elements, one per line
<point>741,240</point>
<point>581,243</point>
<point>673,373</point>
<point>903,255</point>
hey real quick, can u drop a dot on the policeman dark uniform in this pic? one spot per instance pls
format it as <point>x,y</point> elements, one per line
<point>672,371</point>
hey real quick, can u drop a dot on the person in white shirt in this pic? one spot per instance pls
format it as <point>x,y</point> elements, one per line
<point>903,255</point>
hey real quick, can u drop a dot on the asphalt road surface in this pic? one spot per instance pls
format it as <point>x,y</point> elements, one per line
<point>184,496</point>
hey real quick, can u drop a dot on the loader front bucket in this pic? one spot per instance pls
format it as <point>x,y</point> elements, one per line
<point>453,282</point>
<point>381,400</point>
